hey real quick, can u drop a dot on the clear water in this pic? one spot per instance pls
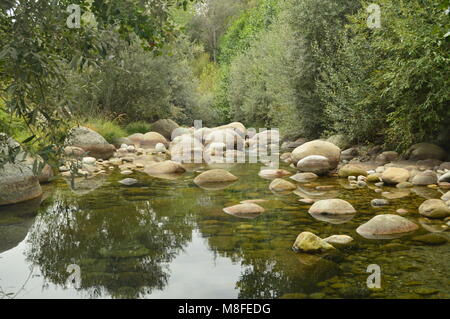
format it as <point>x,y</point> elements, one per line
<point>168,238</point>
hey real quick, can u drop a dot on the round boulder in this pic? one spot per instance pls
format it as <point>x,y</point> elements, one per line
<point>166,167</point>
<point>352,170</point>
<point>386,226</point>
<point>246,210</point>
<point>424,151</point>
<point>91,142</point>
<point>425,178</point>
<point>165,127</point>
<point>318,147</point>
<point>18,184</point>
<point>280,185</point>
<point>395,175</point>
<point>215,176</point>
<point>316,164</point>
<point>332,207</point>
<point>434,208</point>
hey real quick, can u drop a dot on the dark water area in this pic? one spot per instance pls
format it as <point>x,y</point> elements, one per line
<point>169,238</point>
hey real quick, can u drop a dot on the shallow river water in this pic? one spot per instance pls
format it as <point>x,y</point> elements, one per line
<point>168,238</point>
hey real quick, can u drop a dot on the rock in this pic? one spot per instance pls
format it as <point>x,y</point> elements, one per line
<point>430,239</point>
<point>89,160</point>
<point>304,177</point>
<point>349,153</point>
<point>160,148</point>
<point>425,178</point>
<point>423,151</point>
<point>445,178</point>
<point>308,201</point>
<point>280,185</point>
<point>352,170</point>
<point>46,174</point>
<point>91,142</point>
<point>264,138</point>
<point>289,146</point>
<point>361,184</point>
<point>237,127</point>
<point>339,140</point>
<point>310,243</point>
<point>386,226</point>
<point>128,181</point>
<point>151,139</point>
<point>166,167</point>
<point>332,207</point>
<point>379,202</point>
<point>126,172</point>
<point>215,176</point>
<point>401,211</point>
<point>434,208</point>
<point>273,173</point>
<point>286,157</point>
<point>446,196</point>
<point>186,149</point>
<point>165,127</point>
<point>338,239</point>
<point>316,164</point>
<point>18,182</point>
<point>246,210</point>
<point>444,166</point>
<point>395,175</point>
<point>386,157</point>
<point>404,185</point>
<point>429,163</point>
<point>72,151</point>
<point>229,137</point>
<point>373,178</point>
<point>318,147</point>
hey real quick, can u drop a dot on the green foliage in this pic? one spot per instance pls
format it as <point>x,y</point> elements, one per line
<point>138,127</point>
<point>109,129</point>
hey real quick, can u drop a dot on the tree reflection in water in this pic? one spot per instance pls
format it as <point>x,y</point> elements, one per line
<point>123,248</point>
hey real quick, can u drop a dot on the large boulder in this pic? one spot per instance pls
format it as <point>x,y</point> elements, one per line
<point>271,173</point>
<point>445,177</point>
<point>229,137</point>
<point>434,208</point>
<point>386,226</point>
<point>318,147</point>
<point>340,141</point>
<point>352,170</point>
<point>332,207</point>
<point>238,127</point>
<point>186,149</point>
<point>165,127</point>
<point>18,182</point>
<point>166,167</point>
<point>395,175</point>
<point>309,243</point>
<point>151,139</point>
<point>215,176</point>
<point>425,178</point>
<point>91,142</point>
<point>424,151</point>
<point>316,164</point>
<point>386,157</point>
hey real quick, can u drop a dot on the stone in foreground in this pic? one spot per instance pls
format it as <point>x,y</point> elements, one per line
<point>332,207</point>
<point>395,175</point>
<point>166,167</point>
<point>215,176</point>
<point>434,208</point>
<point>280,185</point>
<point>339,239</point>
<point>309,243</point>
<point>247,210</point>
<point>386,226</point>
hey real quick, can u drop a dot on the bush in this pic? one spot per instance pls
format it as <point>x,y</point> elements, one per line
<point>138,127</point>
<point>109,129</point>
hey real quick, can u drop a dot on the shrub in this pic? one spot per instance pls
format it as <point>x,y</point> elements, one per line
<point>138,127</point>
<point>109,129</point>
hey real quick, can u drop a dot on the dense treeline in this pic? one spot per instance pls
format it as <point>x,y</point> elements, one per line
<point>316,69</point>
<point>311,68</point>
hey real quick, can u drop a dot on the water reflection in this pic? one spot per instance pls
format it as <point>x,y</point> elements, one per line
<point>123,248</point>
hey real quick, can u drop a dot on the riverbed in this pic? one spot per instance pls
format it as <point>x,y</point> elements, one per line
<point>169,238</point>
